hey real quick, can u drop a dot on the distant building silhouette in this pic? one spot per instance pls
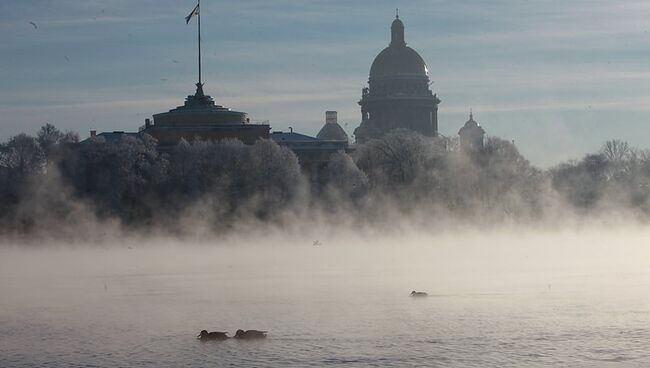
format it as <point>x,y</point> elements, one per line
<point>113,137</point>
<point>332,131</point>
<point>471,134</point>
<point>314,152</point>
<point>201,118</point>
<point>398,94</point>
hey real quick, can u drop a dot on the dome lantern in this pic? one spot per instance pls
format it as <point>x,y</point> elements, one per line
<point>397,32</point>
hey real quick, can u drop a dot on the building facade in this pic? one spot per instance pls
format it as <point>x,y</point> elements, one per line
<point>398,93</point>
<point>201,118</point>
<point>314,152</point>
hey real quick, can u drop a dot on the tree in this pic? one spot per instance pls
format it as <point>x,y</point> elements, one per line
<point>344,179</point>
<point>49,136</point>
<point>270,177</point>
<point>398,158</point>
<point>121,178</point>
<point>24,155</point>
<point>616,151</point>
<point>581,183</point>
<point>55,144</point>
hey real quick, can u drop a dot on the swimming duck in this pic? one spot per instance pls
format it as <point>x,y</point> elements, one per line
<point>250,334</point>
<point>205,335</point>
<point>418,293</point>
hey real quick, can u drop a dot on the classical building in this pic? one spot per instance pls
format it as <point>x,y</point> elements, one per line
<point>471,134</point>
<point>314,152</point>
<point>201,118</point>
<point>398,94</point>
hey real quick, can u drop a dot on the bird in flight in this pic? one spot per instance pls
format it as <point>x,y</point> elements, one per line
<point>34,24</point>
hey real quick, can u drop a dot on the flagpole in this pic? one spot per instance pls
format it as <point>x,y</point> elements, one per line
<point>199,15</point>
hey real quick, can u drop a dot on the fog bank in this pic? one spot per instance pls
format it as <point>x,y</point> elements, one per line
<point>54,187</point>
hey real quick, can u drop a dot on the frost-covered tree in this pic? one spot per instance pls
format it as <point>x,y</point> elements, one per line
<point>344,179</point>
<point>54,143</point>
<point>231,177</point>
<point>270,177</point>
<point>120,177</point>
<point>398,158</point>
<point>581,183</point>
<point>23,155</point>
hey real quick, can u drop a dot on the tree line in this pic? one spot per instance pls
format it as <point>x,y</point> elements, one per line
<point>51,182</point>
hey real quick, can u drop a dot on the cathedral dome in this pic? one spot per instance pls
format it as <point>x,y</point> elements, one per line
<point>398,59</point>
<point>398,95</point>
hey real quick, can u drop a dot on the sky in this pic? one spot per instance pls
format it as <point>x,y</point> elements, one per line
<point>557,77</point>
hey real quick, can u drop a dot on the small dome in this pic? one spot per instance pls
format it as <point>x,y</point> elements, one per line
<point>471,126</point>
<point>332,132</point>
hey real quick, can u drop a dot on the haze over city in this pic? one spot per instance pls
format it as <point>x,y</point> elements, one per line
<point>558,78</point>
<point>324,183</point>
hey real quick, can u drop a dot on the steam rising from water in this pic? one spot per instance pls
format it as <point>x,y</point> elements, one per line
<point>53,187</point>
<point>498,298</point>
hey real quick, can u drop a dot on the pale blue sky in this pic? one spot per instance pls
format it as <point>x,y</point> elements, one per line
<point>558,77</point>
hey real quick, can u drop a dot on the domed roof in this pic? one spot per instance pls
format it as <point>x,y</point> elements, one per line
<point>332,132</point>
<point>471,126</point>
<point>393,61</point>
<point>398,59</point>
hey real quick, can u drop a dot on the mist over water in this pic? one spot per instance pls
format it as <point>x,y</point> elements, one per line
<point>116,250</point>
<point>496,298</point>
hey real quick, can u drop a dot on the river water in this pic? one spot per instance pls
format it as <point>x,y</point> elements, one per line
<point>514,300</point>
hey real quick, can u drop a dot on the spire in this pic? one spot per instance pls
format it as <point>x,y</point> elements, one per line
<point>471,115</point>
<point>397,31</point>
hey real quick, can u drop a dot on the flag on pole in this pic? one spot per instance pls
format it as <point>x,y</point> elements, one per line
<point>194,12</point>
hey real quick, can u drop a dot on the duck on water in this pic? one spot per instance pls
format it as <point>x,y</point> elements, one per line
<point>240,334</point>
<point>217,335</point>
<point>250,334</point>
<point>418,293</point>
